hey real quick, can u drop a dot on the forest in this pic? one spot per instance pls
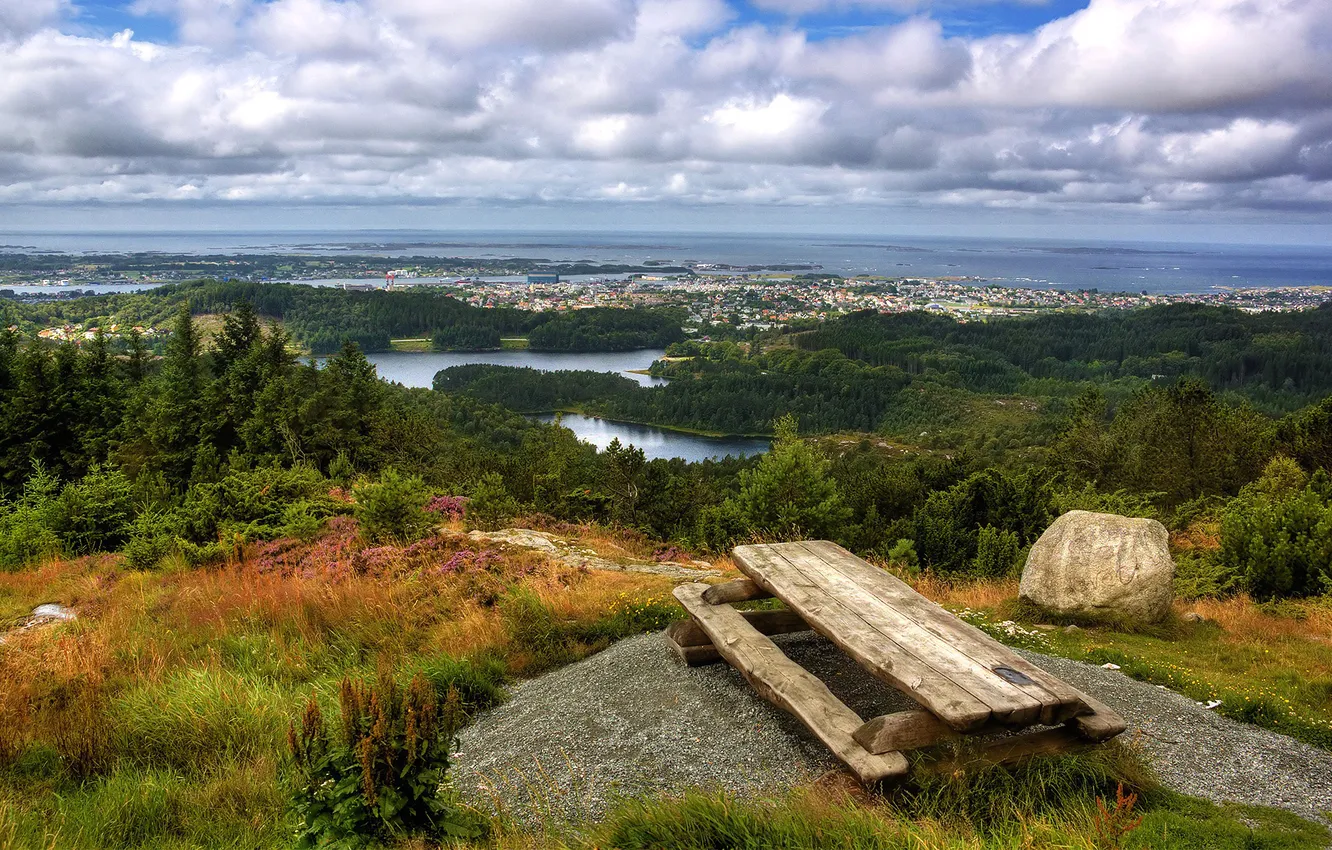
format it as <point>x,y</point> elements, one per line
<point>941,455</point>
<point>321,319</point>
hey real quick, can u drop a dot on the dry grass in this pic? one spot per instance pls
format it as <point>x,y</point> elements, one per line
<point>1245,621</point>
<point>981,595</point>
<point>235,628</point>
<point>1200,536</point>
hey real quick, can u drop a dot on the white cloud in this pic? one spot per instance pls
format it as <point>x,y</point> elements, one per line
<point>21,17</point>
<point>1185,55</point>
<point>549,24</point>
<point>1150,103</point>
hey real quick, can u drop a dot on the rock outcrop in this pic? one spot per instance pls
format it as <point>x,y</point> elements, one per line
<point>571,553</point>
<point>1101,565</point>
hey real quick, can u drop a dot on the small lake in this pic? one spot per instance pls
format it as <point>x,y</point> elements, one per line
<point>418,369</point>
<point>656,442</point>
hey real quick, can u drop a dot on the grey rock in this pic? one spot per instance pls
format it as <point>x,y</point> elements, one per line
<point>1092,564</point>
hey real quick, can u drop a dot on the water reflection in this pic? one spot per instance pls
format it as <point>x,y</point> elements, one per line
<point>418,369</point>
<point>657,442</point>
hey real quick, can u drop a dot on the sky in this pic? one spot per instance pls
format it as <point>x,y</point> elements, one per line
<point>1149,117</point>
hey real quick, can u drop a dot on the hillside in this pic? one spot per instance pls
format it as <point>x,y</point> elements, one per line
<point>252,546</point>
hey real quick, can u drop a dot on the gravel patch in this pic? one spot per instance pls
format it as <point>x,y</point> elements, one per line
<point>632,720</point>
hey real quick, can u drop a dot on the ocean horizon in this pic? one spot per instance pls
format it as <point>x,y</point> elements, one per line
<point>1110,265</point>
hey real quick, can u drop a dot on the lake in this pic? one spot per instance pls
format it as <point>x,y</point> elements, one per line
<point>418,370</point>
<point>656,442</point>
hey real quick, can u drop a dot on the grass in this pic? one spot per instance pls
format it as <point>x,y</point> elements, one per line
<point>415,346</point>
<point>519,342</point>
<point>157,719</point>
<point>1268,665</point>
<point>839,821</point>
<point>1101,800</point>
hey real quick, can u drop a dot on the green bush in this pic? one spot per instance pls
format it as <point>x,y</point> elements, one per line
<point>490,505</point>
<point>791,493</point>
<point>94,514</point>
<point>393,508</point>
<point>949,526</point>
<point>253,503</point>
<point>1278,537</point>
<point>381,775</point>
<point>151,538</point>
<point>903,553</point>
<point>25,526</point>
<point>1203,576</point>
<point>997,552</point>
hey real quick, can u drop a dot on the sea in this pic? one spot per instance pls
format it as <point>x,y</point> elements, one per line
<point>1110,266</point>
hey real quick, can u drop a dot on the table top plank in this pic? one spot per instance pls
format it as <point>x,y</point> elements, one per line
<point>907,640</point>
<point>898,634</point>
<point>880,653</point>
<point>1059,699</point>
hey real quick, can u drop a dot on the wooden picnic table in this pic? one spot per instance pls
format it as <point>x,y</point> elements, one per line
<point>966,682</point>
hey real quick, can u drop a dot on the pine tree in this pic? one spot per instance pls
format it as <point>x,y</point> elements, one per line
<point>791,493</point>
<point>174,415</point>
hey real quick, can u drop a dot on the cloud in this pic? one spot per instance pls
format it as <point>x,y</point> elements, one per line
<point>806,7</point>
<point>22,17</point>
<point>1132,104</point>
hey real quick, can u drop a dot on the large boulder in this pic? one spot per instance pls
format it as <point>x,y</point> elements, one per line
<point>1101,566</point>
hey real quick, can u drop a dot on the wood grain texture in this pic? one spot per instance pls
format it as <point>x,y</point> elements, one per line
<point>840,624</point>
<point>786,684</point>
<point>1102,724</point>
<point>693,646</point>
<point>904,730</point>
<point>1015,748</point>
<point>1059,700</point>
<point>945,664</point>
<point>739,590</point>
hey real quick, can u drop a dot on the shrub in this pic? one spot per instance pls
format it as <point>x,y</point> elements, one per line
<point>791,493</point>
<point>997,552</point>
<point>447,508</point>
<point>490,506</point>
<point>903,553</point>
<point>253,503</point>
<point>1202,575</point>
<point>949,525</point>
<point>25,527</point>
<point>1279,539</point>
<point>393,509</point>
<point>151,538</point>
<point>341,470</point>
<point>380,775</point>
<point>94,514</point>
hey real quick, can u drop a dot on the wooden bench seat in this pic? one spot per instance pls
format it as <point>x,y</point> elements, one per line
<point>965,681</point>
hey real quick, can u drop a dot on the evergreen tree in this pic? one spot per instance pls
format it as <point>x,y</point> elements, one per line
<point>174,414</point>
<point>790,493</point>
